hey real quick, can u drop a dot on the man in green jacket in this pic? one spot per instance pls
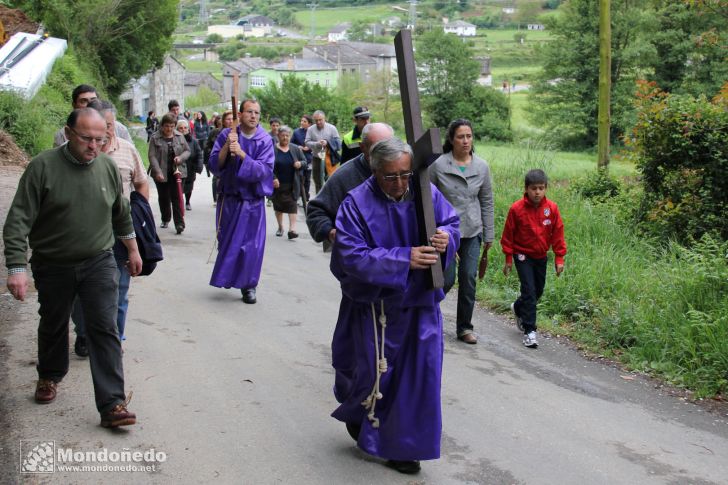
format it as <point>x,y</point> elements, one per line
<point>350,143</point>
<point>69,207</point>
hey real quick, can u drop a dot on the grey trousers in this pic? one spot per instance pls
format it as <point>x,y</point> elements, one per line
<point>95,283</point>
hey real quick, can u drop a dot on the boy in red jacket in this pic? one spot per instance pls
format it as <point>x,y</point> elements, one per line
<point>532,226</point>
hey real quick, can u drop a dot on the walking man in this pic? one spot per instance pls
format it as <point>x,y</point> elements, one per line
<point>82,95</point>
<point>242,158</point>
<point>323,140</point>
<point>70,206</point>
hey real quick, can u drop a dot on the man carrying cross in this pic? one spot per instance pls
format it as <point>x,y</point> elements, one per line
<point>391,401</point>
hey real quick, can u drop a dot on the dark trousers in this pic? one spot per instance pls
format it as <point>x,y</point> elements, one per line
<point>169,202</point>
<point>319,170</point>
<point>532,275</point>
<point>306,186</point>
<point>215,180</point>
<point>95,283</point>
<point>467,271</point>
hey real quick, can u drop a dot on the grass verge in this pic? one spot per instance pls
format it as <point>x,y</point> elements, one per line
<point>658,308</point>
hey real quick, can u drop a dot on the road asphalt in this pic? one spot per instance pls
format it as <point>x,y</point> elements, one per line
<point>232,393</point>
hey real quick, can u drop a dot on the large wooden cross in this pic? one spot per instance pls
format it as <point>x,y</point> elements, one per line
<point>425,145</point>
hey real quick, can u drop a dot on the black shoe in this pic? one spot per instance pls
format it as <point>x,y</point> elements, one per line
<point>408,467</point>
<point>180,229</point>
<point>80,347</point>
<point>188,207</point>
<point>164,225</point>
<point>279,232</point>
<point>249,295</point>
<point>292,234</point>
<point>354,430</point>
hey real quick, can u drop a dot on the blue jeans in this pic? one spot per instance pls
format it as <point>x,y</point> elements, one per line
<point>532,275</point>
<point>467,272</point>
<point>124,280</point>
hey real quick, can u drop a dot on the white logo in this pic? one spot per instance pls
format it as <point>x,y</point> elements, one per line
<point>521,257</point>
<point>547,212</point>
<point>37,456</point>
<point>547,222</point>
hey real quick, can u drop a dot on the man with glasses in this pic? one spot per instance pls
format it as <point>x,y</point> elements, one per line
<point>81,96</point>
<point>70,208</point>
<point>243,160</point>
<point>388,382</point>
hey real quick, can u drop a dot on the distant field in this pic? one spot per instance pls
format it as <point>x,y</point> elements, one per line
<point>506,35</point>
<point>520,74</point>
<point>204,66</point>
<point>327,18</point>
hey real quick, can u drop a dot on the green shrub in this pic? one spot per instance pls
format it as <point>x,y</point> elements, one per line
<point>680,144</point>
<point>597,186</point>
<point>659,308</point>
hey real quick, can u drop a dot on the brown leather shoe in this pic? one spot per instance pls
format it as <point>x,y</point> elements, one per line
<point>45,391</point>
<point>119,416</point>
<point>469,338</point>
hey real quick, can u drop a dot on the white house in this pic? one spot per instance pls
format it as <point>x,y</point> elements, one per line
<point>460,28</point>
<point>536,27</point>
<point>249,26</point>
<point>339,32</point>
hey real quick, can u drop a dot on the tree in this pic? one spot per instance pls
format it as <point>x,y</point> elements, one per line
<point>447,74</point>
<point>214,39</point>
<point>565,92</point>
<point>124,38</point>
<point>296,96</point>
<point>690,42</point>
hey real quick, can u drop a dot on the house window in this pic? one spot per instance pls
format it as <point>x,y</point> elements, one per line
<point>257,81</point>
<point>327,82</point>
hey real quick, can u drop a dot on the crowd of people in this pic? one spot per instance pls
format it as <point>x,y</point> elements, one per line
<point>85,248</point>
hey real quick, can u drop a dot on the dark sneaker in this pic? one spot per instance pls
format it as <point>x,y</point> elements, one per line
<point>249,296</point>
<point>164,225</point>
<point>408,467</point>
<point>119,416</point>
<point>292,234</point>
<point>45,391</point>
<point>79,348</point>
<point>180,229</point>
<point>469,338</point>
<point>188,206</point>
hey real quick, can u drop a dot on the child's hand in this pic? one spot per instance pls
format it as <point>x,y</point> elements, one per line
<point>559,269</point>
<point>507,268</point>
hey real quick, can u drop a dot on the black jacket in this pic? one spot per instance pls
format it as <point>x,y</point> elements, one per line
<point>150,247</point>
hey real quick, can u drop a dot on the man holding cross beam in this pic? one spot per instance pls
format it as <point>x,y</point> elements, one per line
<point>390,322</point>
<point>242,158</point>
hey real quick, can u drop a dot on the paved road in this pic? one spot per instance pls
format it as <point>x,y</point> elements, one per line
<point>236,393</point>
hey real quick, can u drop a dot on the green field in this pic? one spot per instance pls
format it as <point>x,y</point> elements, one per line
<point>204,66</point>
<point>327,18</point>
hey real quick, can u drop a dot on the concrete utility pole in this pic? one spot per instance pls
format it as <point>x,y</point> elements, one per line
<point>313,6</point>
<point>412,15</point>
<point>203,12</point>
<point>605,83</point>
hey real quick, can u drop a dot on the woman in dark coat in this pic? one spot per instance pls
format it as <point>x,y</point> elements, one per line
<point>168,152</point>
<point>289,163</point>
<point>152,124</point>
<point>194,163</point>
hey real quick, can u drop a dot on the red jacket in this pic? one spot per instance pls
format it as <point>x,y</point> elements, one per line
<point>532,230</point>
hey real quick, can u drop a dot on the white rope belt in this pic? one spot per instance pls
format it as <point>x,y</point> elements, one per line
<point>370,403</point>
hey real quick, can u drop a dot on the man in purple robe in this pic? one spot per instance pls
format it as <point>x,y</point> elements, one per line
<point>389,389</point>
<point>243,161</point>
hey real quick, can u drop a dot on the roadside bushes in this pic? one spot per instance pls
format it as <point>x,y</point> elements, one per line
<point>680,145</point>
<point>655,305</point>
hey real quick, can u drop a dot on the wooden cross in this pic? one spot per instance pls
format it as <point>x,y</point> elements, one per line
<point>425,145</point>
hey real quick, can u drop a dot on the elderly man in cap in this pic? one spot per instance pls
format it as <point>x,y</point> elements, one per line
<point>350,143</point>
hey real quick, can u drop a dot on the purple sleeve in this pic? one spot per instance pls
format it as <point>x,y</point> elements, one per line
<point>380,267</point>
<point>258,167</point>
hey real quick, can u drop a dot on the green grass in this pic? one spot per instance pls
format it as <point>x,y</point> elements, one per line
<point>659,308</point>
<point>204,66</point>
<point>506,35</point>
<point>143,148</point>
<point>327,18</point>
<point>520,74</point>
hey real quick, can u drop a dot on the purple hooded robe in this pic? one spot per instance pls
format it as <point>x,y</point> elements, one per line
<point>240,214</point>
<point>371,259</point>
